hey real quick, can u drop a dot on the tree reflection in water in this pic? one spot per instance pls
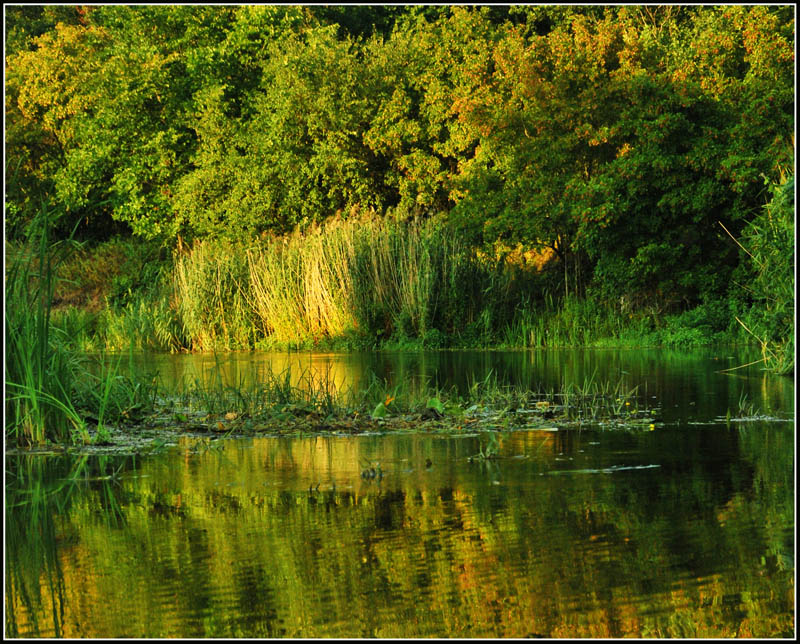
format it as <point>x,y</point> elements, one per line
<point>278,537</point>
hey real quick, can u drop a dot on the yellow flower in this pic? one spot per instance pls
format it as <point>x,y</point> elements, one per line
<point>652,427</point>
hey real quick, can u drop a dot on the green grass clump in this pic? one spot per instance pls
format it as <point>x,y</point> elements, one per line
<point>361,281</point>
<point>211,282</point>
<point>53,393</point>
<point>569,322</point>
<point>145,323</point>
<point>40,370</point>
<point>768,283</point>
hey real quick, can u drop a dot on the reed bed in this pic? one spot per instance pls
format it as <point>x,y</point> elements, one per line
<point>53,393</point>
<point>769,243</point>
<point>569,322</point>
<point>40,373</point>
<point>369,278</point>
<point>210,286</point>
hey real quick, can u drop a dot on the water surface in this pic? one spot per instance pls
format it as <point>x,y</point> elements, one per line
<point>683,531</point>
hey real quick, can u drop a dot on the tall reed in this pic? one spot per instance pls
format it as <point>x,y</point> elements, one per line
<point>51,389</point>
<point>567,322</point>
<point>210,283</point>
<point>769,243</point>
<point>40,371</point>
<point>370,277</point>
<point>143,323</point>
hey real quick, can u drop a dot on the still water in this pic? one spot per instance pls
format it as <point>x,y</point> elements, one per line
<point>683,531</point>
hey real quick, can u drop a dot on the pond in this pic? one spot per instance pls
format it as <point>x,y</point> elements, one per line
<point>686,530</point>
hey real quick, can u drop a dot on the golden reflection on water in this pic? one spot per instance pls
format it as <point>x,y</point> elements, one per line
<point>277,537</point>
<point>686,385</point>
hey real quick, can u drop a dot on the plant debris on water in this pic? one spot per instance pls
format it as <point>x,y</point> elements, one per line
<point>272,405</point>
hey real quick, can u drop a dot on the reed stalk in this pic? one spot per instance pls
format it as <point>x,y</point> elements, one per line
<point>40,371</point>
<point>374,278</point>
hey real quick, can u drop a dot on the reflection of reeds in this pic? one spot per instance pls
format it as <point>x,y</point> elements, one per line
<point>39,492</point>
<point>300,511</point>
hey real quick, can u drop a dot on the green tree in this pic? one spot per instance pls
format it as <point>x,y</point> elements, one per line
<point>295,155</point>
<point>49,89</point>
<point>620,141</point>
<point>433,68</point>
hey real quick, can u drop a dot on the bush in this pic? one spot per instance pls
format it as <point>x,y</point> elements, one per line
<point>767,276</point>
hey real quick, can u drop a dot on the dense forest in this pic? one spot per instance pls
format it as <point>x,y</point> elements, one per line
<point>462,175</point>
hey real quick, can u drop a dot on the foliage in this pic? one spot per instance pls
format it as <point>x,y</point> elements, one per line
<point>377,279</point>
<point>53,394</point>
<point>768,277</point>
<point>210,283</point>
<point>617,137</point>
<point>39,374</point>
<point>627,160</point>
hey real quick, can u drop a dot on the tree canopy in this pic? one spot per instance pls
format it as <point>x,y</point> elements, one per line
<point>617,136</point>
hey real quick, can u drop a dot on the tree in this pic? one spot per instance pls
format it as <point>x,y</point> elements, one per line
<point>49,89</point>
<point>295,155</point>
<point>619,142</point>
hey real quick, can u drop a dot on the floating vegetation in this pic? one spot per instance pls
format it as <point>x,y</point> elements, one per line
<point>272,405</point>
<point>315,404</point>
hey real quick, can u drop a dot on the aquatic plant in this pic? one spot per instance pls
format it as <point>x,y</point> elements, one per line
<point>52,392</point>
<point>375,279</point>
<point>40,371</point>
<point>768,278</point>
<point>210,284</point>
<point>284,402</point>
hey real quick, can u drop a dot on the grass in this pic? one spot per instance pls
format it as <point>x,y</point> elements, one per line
<point>210,283</point>
<point>355,284</point>
<point>280,403</point>
<point>145,323</point>
<point>40,372</point>
<point>568,322</point>
<point>56,394</point>
<point>365,280</point>
<point>52,394</point>
<point>767,281</point>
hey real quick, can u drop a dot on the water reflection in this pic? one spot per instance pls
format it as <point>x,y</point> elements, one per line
<point>679,533</point>
<point>688,386</point>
